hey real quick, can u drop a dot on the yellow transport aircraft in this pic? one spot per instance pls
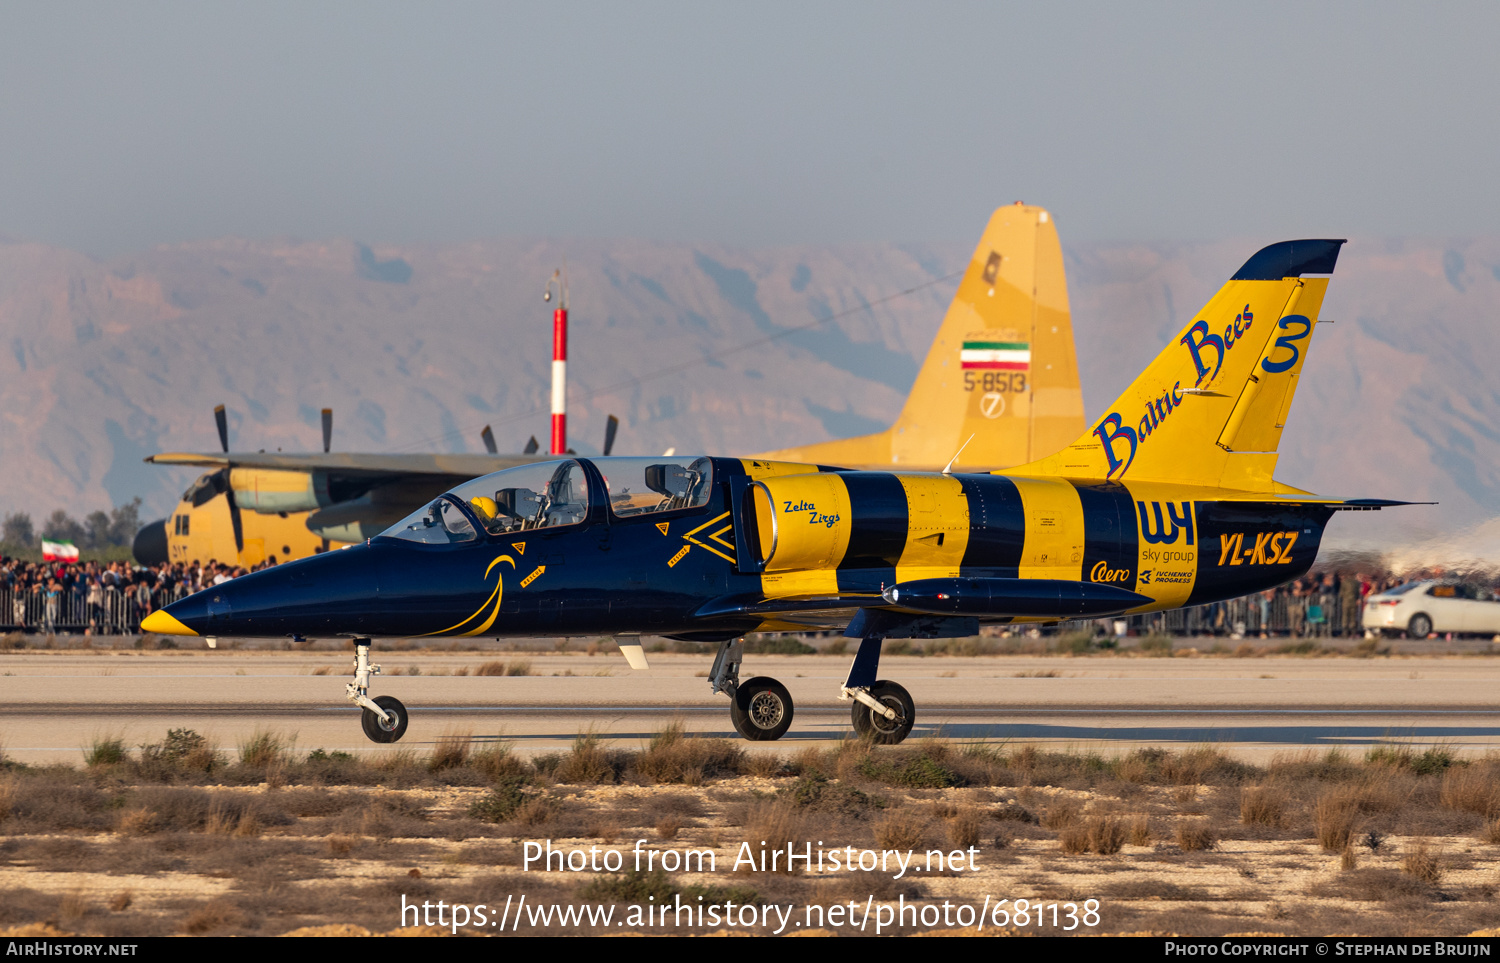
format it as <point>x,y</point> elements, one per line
<point>1000,382</point>
<point>1169,499</point>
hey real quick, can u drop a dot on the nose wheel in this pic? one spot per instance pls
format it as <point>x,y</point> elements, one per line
<point>389,728</point>
<point>384,718</point>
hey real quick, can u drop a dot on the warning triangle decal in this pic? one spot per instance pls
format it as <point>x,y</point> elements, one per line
<point>520,547</point>
<point>662,527</point>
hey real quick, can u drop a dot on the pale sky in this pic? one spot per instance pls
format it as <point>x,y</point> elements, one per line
<point>124,126</point>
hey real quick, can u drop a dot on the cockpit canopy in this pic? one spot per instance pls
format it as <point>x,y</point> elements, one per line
<point>554,494</point>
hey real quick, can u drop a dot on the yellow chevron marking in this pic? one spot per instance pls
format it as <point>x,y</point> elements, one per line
<point>714,536</point>
<point>662,527</point>
<point>533,576</point>
<point>672,562</point>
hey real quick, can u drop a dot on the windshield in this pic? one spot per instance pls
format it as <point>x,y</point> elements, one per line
<point>646,486</point>
<point>441,523</point>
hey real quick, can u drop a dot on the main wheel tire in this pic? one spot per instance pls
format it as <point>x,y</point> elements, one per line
<point>380,731</point>
<point>1420,626</point>
<point>761,709</point>
<point>878,729</point>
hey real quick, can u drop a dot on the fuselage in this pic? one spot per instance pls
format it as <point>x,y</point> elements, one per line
<point>760,533</point>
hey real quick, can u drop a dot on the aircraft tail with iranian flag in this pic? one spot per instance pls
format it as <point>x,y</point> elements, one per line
<point>1001,378</point>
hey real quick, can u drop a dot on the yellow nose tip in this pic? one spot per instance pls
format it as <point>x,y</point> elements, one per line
<point>163,624</point>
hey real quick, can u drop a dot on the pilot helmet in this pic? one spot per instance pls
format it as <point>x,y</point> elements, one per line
<point>484,505</point>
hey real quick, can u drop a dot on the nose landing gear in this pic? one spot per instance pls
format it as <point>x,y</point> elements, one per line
<point>384,718</point>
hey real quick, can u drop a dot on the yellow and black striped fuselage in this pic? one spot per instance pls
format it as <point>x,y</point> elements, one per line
<point>839,533</point>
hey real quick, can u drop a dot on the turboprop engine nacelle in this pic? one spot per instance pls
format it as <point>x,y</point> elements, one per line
<point>269,491</point>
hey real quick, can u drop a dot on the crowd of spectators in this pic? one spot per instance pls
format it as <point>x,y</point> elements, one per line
<point>97,598</point>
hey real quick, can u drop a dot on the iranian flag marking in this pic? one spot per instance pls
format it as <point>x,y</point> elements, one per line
<point>995,355</point>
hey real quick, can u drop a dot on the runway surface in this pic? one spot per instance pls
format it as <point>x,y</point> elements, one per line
<point>54,704</point>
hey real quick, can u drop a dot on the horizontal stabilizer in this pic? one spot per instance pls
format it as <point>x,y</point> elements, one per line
<point>994,597</point>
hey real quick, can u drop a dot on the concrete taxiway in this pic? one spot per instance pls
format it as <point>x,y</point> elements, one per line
<point>54,704</point>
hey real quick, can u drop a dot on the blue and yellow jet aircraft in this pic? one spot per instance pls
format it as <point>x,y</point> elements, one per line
<point>1167,500</point>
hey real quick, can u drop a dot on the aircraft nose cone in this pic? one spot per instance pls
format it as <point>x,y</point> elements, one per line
<point>335,593</point>
<point>162,623</point>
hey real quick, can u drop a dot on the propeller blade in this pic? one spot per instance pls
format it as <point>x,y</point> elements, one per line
<point>489,440</point>
<point>327,429</point>
<point>610,427</point>
<point>531,446</point>
<point>222,420</point>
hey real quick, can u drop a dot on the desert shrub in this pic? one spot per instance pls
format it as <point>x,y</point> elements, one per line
<point>451,751</point>
<point>501,802</point>
<point>183,753</point>
<point>1106,835</point>
<point>1424,865</point>
<point>263,750</point>
<point>964,828</point>
<point>105,752</point>
<point>1074,839</point>
<point>1472,789</point>
<point>490,669</point>
<point>1196,834</point>
<point>1156,645</point>
<point>674,757</point>
<point>1061,814</point>
<point>816,792</point>
<point>1336,818</point>
<point>1013,813</point>
<point>900,829</point>
<point>1139,833</point>
<point>1261,806</point>
<point>588,762</point>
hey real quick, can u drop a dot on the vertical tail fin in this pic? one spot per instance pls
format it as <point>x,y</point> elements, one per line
<point>1210,409</point>
<point>1001,371</point>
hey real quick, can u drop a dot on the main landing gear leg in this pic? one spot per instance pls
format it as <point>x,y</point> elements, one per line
<point>883,711</point>
<point>760,708</point>
<point>384,718</point>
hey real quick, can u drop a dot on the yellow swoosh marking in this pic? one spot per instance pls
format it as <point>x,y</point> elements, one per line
<point>495,597</point>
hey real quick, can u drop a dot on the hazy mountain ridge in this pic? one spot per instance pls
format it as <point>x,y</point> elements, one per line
<point>415,348</point>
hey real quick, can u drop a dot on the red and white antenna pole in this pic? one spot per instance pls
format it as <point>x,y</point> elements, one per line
<point>559,364</point>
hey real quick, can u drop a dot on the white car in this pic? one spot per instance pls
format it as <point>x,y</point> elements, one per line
<point>1422,608</point>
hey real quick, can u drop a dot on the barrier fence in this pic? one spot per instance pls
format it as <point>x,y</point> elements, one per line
<point>111,611</point>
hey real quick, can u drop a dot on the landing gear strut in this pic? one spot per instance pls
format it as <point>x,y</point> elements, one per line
<point>384,718</point>
<point>760,708</point>
<point>883,711</point>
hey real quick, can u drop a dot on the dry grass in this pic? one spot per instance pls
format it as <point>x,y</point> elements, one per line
<point>589,761</point>
<point>491,669</point>
<point>451,751</point>
<point>668,827</point>
<point>674,757</point>
<point>1062,814</point>
<point>774,823</point>
<point>901,829</point>
<point>1472,789</point>
<point>1195,835</point>
<point>1423,864</point>
<point>964,827</point>
<point>1262,806</point>
<point>1106,835</point>
<point>211,916</point>
<point>1139,833</point>
<point>1336,818</point>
